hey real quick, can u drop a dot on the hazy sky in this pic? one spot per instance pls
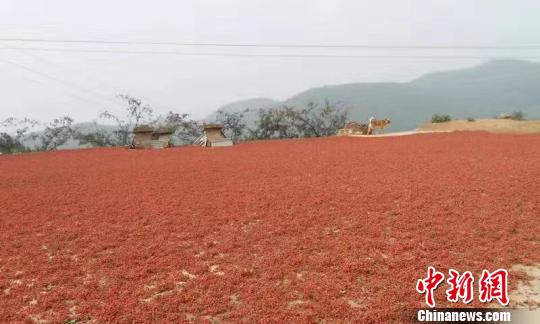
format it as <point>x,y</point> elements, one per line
<point>44,84</point>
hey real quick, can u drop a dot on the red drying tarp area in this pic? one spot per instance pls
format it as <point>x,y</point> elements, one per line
<point>333,229</point>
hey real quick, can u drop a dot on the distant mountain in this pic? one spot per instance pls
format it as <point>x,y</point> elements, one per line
<point>248,107</point>
<point>483,91</point>
<point>242,105</point>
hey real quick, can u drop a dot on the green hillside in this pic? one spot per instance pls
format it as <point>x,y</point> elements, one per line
<point>483,91</point>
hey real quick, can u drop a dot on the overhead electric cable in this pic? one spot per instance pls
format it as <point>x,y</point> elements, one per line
<point>150,52</point>
<point>47,76</point>
<point>271,45</point>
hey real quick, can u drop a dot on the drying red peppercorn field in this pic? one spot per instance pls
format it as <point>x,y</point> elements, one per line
<point>313,230</point>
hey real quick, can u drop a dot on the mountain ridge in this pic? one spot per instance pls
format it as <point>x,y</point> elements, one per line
<point>485,90</point>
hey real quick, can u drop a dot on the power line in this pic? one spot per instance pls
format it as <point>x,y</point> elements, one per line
<point>69,84</point>
<point>102,84</point>
<point>73,71</point>
<point>149,52</point>
<point>273,45</point>
<point>53,78</point>
<point>47,76</point>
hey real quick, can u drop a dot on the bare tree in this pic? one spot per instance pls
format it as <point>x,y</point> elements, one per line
<point>186,130</point>
<point>56,133</point>
<point>99,138</point>
<point>316,121</point>
<point>13,132</point>
<point>272,123</point>
<point>289,122</point>
<point>136,112</point>
<point>233,123</point>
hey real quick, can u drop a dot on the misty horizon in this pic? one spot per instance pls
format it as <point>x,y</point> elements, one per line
<point>45,80</point>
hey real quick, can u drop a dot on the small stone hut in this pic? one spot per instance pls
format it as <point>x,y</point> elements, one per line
<point>148,137</point>
<point>213,136</point>
<point>163,135</point>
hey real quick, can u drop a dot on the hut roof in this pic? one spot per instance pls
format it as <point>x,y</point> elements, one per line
<point>164,130</point>
<point>143,129</point>
<point>213,126</point>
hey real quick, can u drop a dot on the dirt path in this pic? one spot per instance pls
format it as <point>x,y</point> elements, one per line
<point>398,134</point>
<point>490,125</point>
